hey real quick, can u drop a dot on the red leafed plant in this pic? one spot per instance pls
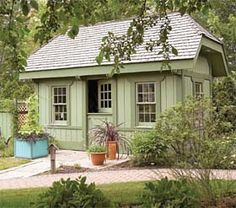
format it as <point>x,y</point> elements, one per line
<point>106,132</point>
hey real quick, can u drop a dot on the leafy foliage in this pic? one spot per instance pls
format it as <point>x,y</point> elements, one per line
<point>72,193</point>
<point>171,194</point>
<point>32,129</point>
<point>195,136</point>
<point>96,148</point>
<point>106,132</point>
<point>64,16</point>
<point>224,99</point>
<point>148,148</point>
<point>6,147</point>
<point>221,20</point>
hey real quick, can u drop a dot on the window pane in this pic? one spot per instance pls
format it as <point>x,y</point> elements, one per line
<point>153,117</point>
<point>140,97</point>
<point>151,88</point>
<point>145,88</point>
<point>140,88</point>
<point>151,97</point>
<point>141,118</point>
<point>141,109</point>
<point>146,118</point>
<point>105,96</point>
<point>146,102</point>
<point>64,99</point>
<point>59,105</point>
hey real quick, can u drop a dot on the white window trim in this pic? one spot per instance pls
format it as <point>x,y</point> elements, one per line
<point>102,109</point>
<point>145,124</point>
<point>55,122</point>
<point>201,89</point>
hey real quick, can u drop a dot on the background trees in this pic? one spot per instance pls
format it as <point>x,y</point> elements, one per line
<point>25,24</point>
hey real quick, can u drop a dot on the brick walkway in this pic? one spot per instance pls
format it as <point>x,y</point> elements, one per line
<point>101,177</point>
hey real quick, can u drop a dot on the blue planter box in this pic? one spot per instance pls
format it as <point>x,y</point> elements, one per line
<point>30,150</point>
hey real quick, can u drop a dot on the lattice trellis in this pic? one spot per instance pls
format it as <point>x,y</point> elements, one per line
<point>22,109</point>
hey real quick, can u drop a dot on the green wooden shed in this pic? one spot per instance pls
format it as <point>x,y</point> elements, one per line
<point>75,94</point>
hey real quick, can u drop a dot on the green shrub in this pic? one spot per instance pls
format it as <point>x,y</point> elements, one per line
<point>72,193</point>
<point>6,150</point>
<point>96,148</point>
<point>172,194</point>
<point>224,99</point>
<point>195,137</point>
<point>148,148</point>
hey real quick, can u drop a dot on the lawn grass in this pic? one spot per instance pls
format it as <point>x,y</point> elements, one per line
<point>9,162</point>
<point>119,193</point>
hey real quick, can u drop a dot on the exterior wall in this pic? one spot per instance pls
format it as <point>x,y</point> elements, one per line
<point>71,136</point>
<point>5,124</point>
<point>202,66</point>
<point>171,91</point>
<point>126,97</point>
<point>200,73</point>
<point>171,87</point>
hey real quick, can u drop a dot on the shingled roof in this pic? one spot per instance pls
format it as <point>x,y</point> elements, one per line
<point>63,52</point>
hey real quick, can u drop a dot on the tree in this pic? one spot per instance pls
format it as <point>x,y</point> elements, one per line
<point>221,20</point>
<point>61,15</point>
<point>224,100</point>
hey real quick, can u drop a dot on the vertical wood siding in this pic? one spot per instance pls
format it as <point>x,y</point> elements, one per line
<point>202,66</point>
<point>6,124</point>
<point>71,136</point>
<point>188,87</point>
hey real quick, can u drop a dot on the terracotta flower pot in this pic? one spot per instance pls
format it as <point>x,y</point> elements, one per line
<point>112,150</point>
<point>98,158</point>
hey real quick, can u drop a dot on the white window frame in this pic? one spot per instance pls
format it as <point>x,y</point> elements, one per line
<point>54,121</point>
<point>103,109</point>
<point>201,93</point>
<point>145,124</point>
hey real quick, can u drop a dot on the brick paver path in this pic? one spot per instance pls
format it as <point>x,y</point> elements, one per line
<point>101,177</point>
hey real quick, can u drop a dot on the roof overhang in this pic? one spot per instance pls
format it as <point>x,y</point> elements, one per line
<point>215,54</point>
<point>105,70</point>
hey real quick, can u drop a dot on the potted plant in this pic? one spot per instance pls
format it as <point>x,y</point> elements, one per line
<point>97,154</point>
<point>31,141</point>
<point>108,134</point>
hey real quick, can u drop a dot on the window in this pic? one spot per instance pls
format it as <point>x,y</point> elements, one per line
<point>146,103</point>
<point>59,105</point>
<point>198,89</point>
<point>104,97</point>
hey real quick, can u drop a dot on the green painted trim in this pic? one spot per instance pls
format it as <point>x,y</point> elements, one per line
<point>68,97</point>
<point>84,111</point>
<point>217,47</point>
<point>72,145</point>
<point>64,127</point>
<point>104,70</point>
<point>196,75</point>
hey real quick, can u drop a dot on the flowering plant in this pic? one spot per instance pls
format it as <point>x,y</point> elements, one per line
<point>32,130</point>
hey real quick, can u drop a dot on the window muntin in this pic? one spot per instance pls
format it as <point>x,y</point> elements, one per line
<point>146,103</point>
<point>105,97</point>
<point>198,86</point>
<point>59,105</point>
